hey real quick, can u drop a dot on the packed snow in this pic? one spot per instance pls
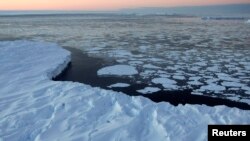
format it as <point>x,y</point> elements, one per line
<point>118,70</point>
<point>33,107</point>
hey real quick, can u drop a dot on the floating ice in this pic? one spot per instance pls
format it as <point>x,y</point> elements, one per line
<point>120,85</point>
<point>135,62</point>
<point>150,66</point>
<point>118,70</point>
<point>232,84</point>
<point>166,83</point>
<point>195,78</point>
<point>226,77</point>
<point>195,82</point>
<point>179,77</point>
<point>120,53</point>
<point>149,90</point>
<point>212,87</point>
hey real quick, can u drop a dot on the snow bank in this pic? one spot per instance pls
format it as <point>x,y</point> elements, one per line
<point>118,70</point>
<point>32,107</point>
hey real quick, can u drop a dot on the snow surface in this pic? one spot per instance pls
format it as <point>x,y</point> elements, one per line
<point>120,85</point>
<point>149,90</point>
<point>33,107</point>
<point>118,70</point>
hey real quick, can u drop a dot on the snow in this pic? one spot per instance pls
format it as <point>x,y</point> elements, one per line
<point>248,21</point>
<point>120,85</point>
<point>118,70</point>
<point>33,107</point>
<point>148,90</point>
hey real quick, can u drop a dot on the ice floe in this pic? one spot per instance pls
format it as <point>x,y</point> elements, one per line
<point>232,84</point>
<point>195,82</point>
<point>149,90</point>
<point>179,77</point>
<point>213,87</point>
<point>150,66</point>
<point>118,70</point>
<point>119,85</point>
<point>166,83</point>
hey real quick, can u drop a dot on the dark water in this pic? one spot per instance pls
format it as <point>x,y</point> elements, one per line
<point>83,69</point>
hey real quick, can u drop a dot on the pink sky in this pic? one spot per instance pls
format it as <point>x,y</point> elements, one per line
<point>103,4</point>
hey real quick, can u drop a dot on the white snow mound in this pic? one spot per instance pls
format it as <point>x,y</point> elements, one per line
<point>32,107</point>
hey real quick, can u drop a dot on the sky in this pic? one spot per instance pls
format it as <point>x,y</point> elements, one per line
<point>104,4</point>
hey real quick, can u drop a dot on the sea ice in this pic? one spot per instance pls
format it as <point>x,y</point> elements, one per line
<point>226,77</point>
<point>166,83</point>
<point>179,77</point>
<point>149,90</point>
<point>195,82</point>
<point>118,70</point>
<point>232,84</point>
<point>150,66</point>
<point>212,87</point>
<point>120,85</point>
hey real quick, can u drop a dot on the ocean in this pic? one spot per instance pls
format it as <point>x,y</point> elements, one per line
<point>171,54</point>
